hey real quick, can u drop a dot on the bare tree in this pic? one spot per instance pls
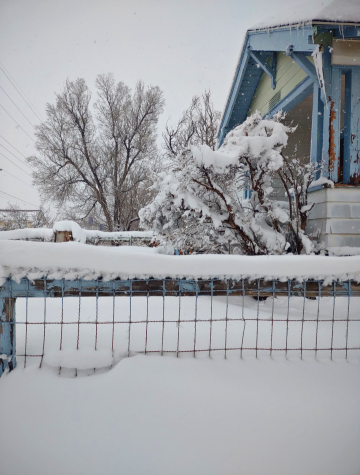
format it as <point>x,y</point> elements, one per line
<point>198,125</point>
<point>96,164</point>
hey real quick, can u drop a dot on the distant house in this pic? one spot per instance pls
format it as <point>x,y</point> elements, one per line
<point>276,71</point>
<point>16,218</point>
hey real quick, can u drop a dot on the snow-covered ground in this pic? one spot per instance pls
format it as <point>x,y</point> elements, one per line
<point>165,415</point>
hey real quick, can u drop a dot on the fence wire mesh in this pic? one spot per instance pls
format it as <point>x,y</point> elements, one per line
<point>69,324</point>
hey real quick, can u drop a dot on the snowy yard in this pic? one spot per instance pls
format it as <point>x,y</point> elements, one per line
<point>224,337</point>
<point>167,415</point>
<point>202,414</point>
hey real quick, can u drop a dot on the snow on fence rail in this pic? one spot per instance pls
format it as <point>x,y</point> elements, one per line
<point>141,301</point>
<point>71,231</point>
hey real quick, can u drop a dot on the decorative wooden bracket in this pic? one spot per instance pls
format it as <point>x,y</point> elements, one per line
<point>303,62</point>
<point>270,69</point>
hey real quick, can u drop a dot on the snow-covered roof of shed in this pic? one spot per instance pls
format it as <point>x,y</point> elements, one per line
<point>336,11</point>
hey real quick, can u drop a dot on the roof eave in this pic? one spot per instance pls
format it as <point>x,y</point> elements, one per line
<point>303,23</point>
<point>241,56</point>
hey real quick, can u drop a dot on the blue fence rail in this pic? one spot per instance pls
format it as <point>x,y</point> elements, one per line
<point>259,290</point>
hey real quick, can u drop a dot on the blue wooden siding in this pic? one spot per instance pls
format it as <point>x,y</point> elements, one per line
<point>289,75</point>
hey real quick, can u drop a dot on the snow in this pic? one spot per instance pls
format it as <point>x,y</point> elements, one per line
<point>338,11</point>
<point>344,251</point>
<point>73,260</point>
<point>79,359</point>
<point>28,233</point>
<point>90,234</point>
<point>322,181</point>
<point>160,415</point>
<point>261,141</point>
<point>79,234</point>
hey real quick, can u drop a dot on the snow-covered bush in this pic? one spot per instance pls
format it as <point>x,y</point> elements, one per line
<point>199,202</point>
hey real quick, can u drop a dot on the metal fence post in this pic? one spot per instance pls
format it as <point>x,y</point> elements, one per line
<point>7,334</point>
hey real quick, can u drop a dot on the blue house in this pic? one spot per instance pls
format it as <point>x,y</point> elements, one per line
<point>308,65</point>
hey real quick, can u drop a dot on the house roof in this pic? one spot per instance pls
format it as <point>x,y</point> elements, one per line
<point>336,11</point>
<point>342,16</point>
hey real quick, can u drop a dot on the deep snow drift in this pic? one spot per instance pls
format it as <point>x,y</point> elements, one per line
<point>162,415</point>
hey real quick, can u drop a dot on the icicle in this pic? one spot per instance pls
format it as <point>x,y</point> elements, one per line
<point>318,63</point>
<point>341,30</point>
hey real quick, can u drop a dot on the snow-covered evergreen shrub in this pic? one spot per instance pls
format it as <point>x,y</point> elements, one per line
<point>199,202</point>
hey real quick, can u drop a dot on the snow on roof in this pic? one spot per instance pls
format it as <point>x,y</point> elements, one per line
<point>337,11</point>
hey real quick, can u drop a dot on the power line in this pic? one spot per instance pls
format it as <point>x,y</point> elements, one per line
<point>17,178</point>
<point>32,125</point>
<point>19,199</point>
<point>17,123</point>
<point>12,146</point>
<point>18,210</point>
<point>6,74</point>
<point>21,92</point>
<point>14,164</point>
<point>1,145</point>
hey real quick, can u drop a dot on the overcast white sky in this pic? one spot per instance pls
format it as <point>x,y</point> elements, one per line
<point>183,46</point>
